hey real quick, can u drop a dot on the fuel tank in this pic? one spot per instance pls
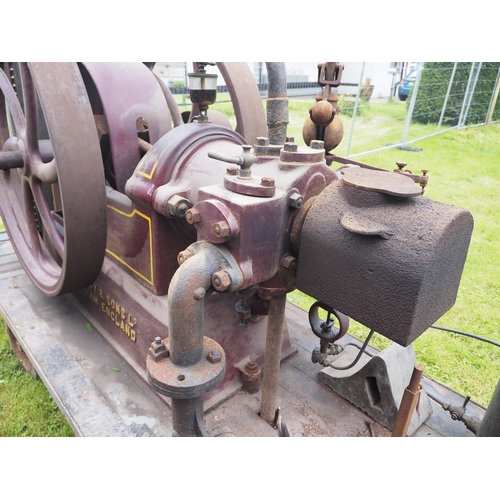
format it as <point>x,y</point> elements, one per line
<point>373,247</point>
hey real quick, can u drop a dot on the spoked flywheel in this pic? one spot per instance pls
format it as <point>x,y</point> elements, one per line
<point>52,191</point>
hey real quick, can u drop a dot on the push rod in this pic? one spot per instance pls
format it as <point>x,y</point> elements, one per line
<point>272,357</point>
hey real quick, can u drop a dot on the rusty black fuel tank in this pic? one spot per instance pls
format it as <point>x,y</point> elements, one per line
<point>374,248</point>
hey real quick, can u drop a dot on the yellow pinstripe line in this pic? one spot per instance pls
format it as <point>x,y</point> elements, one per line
<point>134,212</point>
<point>138,170</point>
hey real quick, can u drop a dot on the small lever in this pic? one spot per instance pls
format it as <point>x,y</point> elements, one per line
<point>245,160</point>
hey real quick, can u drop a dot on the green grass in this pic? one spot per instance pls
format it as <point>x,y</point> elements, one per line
<point>26,407</point>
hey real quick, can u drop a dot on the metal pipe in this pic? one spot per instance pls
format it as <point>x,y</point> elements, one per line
<point>447,96</point>
<point>272,357</point>
<point>187,417</point>
<point>186,298</point>
<point>186,302</point>
<point>408,403</point>
<point>185,310</point>
<point>414,94</point>
<point>469,93</point>
<point>277,103</point>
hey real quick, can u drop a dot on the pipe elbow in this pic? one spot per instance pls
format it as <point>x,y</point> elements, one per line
<point>197,277</point>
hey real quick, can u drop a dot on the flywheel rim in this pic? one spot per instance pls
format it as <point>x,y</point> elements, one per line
<point>71,253</point>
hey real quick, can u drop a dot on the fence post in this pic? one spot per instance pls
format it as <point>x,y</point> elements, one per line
<point>355,110</point>
<point>412,105</point>
<point>447,96</point>
<point>494,98</point>
<point>468,94</point>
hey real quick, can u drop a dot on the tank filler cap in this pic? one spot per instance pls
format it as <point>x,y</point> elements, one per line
<point>381,182</point>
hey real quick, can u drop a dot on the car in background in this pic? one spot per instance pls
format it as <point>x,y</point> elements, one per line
<point>406,84</point>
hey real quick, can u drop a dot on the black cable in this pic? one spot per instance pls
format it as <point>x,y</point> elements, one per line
<point>467,334</point>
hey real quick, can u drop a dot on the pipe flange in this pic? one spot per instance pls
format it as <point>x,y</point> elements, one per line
<point>186,382</point>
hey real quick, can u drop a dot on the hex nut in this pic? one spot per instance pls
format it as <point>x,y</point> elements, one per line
<point>289,262</point>
<point>193,216</point>
<point>158,350</point>
<point>290,147</point>
<point>222,229</point>
<point>221,281</point>
<point>267,182</point>
<point>315,144</point>
<point>296,200</point>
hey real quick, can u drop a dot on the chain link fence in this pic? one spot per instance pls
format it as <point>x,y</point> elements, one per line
<point>375,111</point>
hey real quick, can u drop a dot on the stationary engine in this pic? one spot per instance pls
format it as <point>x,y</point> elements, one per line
<point>179,241</point>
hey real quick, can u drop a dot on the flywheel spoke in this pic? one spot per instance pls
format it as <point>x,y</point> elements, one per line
<point>52,148</point>
<point>14,108</point>
<point>30,111</point>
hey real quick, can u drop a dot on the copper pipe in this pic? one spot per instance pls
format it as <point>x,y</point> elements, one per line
<point>408,403</point>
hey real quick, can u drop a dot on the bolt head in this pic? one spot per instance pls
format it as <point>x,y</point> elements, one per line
<point>199,293</point>
<point>214,357</point>
<point>183,256</point>
<point>221,281</point>
<point>177,206</point>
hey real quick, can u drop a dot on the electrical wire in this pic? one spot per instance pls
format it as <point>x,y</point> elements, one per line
<point>467,334</point>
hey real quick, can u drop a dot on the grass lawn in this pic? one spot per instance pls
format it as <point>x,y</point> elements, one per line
<point>464,171</point>
<point>26,407</point>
